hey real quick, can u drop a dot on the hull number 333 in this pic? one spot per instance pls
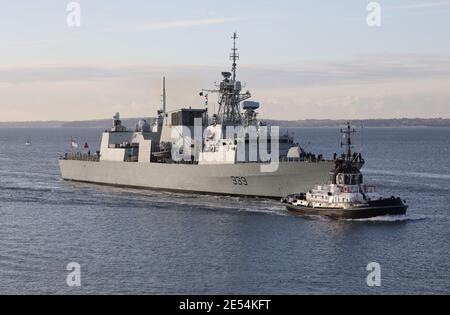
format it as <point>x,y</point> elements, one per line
<point>239,181</point>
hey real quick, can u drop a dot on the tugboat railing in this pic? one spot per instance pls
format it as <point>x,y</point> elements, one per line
<point>359,189</point>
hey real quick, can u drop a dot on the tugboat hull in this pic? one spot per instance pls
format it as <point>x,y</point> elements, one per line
<point>373,209</point>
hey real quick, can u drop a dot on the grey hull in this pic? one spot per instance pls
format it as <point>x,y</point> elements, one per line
<point>238,179</point>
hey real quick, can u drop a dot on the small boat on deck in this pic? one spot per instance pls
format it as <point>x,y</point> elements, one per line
<point>345,196</point>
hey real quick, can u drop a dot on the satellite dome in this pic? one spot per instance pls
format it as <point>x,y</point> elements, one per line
<point>250,105</point>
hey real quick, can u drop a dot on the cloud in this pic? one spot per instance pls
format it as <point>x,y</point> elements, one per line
<point>182,23</point>
<point>423,5</point>
<point>382,86</point>
<point>390,8</point>
<point>26,44</point>
<point>367,68</point>
<point>407,98</point>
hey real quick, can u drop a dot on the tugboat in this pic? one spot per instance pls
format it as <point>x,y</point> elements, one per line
<point>345,196</point>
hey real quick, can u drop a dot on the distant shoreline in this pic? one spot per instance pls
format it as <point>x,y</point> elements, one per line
<point>309,123</point>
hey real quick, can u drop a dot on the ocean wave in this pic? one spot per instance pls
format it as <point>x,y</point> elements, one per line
<point>116,197</point>
<point>24,174</point>
<point>408,174</point>
<point>30,189</point>
<point>209,202</point>
<point>392,218</point>
<point>231,204</point>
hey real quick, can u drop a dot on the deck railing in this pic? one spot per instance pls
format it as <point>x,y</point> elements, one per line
<point>80,157</point>
<point>96,158</point>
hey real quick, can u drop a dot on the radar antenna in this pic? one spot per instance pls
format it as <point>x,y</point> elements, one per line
<point>234,55</point>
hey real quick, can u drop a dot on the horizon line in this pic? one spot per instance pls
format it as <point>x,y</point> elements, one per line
<point>262,119</point>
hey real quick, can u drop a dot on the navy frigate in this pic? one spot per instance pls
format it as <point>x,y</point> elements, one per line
<point>193,150</point>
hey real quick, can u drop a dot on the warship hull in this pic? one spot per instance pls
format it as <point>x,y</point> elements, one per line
<point>237,180</point>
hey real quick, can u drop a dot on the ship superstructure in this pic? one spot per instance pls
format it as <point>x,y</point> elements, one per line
<point>225,152</point>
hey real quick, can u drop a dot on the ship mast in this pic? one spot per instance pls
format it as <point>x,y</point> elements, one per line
<point>164,95</point>
<point>348,144</point>
<point>234,56</point>
<point>230,93</point>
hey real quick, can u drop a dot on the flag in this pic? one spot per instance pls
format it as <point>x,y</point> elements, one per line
<point>73,144</point>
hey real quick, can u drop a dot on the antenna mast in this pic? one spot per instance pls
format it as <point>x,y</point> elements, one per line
<point>234,55</point>
<point>348,132</point>
<point>164,95</point>
<point>230,92</point>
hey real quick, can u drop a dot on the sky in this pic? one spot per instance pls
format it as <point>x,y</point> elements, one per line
<point>300,59</point>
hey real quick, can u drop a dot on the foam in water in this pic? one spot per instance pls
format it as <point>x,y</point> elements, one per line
<point>392,218</point>
<point>396,218</point>
<point>408,174</point>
